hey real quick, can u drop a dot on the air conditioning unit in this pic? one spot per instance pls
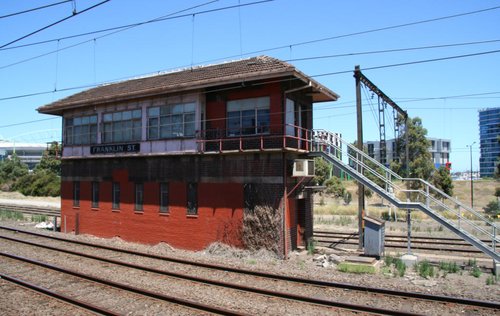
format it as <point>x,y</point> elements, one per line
<point>303,168</point>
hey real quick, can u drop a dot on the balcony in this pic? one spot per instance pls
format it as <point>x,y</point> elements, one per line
<point>270,138</point>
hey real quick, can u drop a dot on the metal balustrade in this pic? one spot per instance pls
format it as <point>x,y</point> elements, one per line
<point>408,193</point>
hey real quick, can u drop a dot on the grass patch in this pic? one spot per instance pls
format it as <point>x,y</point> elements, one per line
<point>356,268</point>
<point>11,215</point>
<point>425,269</point>
<point>449,267</point>
<point>39,218</point>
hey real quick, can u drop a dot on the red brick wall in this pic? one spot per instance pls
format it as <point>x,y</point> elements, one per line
<point>220,213</point>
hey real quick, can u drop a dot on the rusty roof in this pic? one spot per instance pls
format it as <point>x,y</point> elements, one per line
<point>255,68</point>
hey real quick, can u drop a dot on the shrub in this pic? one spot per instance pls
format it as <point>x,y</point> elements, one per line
<point>335,187</point>
<point>449,267</point>
<point>492,209</point>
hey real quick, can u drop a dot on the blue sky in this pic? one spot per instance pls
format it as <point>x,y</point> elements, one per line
<point>285,29</point>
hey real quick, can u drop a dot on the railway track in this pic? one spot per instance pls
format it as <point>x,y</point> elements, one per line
<point>31,209</point>
<point>432,244</point>
<point>289,289</point>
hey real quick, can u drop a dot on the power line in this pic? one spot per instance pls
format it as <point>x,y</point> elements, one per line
<point>55,23</point>
<point>127,27</point>
<point>29,122</point>
<point>313,76</point>
<point>33,9</point>
<point>393,50</point>
<point>289,46</point>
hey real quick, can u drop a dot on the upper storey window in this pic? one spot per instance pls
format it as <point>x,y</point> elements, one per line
<point>248,116</point>
<point>171,121</point>
<point>122,126</point>
<point>80,130</point>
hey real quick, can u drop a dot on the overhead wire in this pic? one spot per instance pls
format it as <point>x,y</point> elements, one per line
<point>55,23</point>
<point>33,9</point>
<point>127,27</point>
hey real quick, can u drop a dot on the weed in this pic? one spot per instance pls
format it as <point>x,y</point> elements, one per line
<point>440,228</point>
<point>388,260</point>
<point>355,268</point>
<point>11,215</point>
<point>475,272</point>
<point>449,267</point>
<point>491,280</point>
<point>252,261</point>
<point>472,262</point>
<point>425,269</point>
<point>343,221</point>
<point>400,267</point>
<point>39,218</point>
<point>311,246</point>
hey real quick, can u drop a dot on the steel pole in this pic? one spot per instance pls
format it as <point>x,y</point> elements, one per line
<point>361,187</point>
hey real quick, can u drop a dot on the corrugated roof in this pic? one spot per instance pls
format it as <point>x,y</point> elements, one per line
<point>255,68</point>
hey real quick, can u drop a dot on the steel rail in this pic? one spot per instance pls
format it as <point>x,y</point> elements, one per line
<point>121,286</point>
<point>423,296</point>
<point>234,286</point>
<point>59,296</point>
<point>395,236</point>
<point>29,209</point>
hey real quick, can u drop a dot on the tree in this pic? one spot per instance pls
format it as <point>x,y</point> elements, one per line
<point>322,170</point>
<point>420,163</point>
<point>11,170</point>
<point>45,179</point>
<point>492,209</point>
<point>442,180</point>
<point>50,161</point>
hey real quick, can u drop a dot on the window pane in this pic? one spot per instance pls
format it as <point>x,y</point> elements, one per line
<point>137,114</point>
<point>85,120</point>
<point>116,196</point>
<point>189,107</point>
<point>192,199</point>
<point>189,125</point>
<point>117,116</point>
<point>95,194</point>
<point>108,117</point>
<point>76,193</point>
<point>93,119</point>
<point>163,197</point>
<point>177,108</point>
<point>248,122</point>
<point>139,196</point>
<point>233,123</point>
<point>263,121</point>
<point>77,121</point>
<point>166,109</point>
<point>154,111</point>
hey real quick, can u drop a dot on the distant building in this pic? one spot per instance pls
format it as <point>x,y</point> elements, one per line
<point>440,150</point>
<point>30,154</point>
<point>489,130</point>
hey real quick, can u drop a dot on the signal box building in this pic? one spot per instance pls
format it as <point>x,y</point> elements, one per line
<point>207,154</point>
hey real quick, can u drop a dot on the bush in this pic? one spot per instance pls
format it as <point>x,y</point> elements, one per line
<point>492,209</point>
<point>335,187</point>
<point>40,183</point>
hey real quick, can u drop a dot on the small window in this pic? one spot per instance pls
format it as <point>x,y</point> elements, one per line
<point>76,193</point>
<point>116,196</point>
<point>163,197</point>
<point>139,196</point>
<point>192,199</point>
<point>95,194</point>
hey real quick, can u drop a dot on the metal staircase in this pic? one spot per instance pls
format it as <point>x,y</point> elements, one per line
<point>408,193</point>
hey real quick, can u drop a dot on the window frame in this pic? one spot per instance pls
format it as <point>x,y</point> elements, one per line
<point>164,198</point>
<point>139,197</point>
<point>121,126</point>
<point>241,112</point>
<point>76,193</point>
<point>87,127</point>
<point>177,120</point>
<point>192,199</point>
<point>95,194</point>
<point>115,196</point>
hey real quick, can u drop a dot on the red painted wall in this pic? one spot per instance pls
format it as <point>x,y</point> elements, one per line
<point>220,214</point>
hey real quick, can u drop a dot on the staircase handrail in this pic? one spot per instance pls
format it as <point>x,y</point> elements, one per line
<point>427,195</point>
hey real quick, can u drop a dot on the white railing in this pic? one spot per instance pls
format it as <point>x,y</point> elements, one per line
<point>413,190</point>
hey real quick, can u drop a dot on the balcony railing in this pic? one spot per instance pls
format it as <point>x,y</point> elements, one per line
<point>274,137</point>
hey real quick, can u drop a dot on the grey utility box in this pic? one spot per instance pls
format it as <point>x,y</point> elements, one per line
<point>374,236</point>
